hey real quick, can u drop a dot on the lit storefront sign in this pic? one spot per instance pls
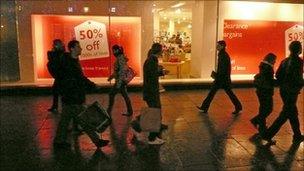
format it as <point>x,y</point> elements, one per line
<point>94,36</point>
<point>250,40</point>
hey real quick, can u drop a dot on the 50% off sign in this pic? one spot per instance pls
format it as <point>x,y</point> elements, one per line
<point>93,40</point>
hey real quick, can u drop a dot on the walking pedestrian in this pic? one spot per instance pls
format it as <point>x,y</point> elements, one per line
<point>290,79</point>
<point>221,80</point>
<point>264,83</point>
<point>73,85</point>
<point>54,58</point>
<point>120,66</point>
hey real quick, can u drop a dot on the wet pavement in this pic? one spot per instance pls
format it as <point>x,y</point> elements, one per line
<point>194,141</point>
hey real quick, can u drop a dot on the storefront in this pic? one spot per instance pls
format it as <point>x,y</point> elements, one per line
<point>188,31</point>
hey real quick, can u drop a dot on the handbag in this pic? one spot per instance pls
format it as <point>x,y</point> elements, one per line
<point>129,74</point>
<point>96,117</point>
<point>150,119</point>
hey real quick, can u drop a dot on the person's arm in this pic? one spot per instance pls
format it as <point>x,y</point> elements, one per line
<point>222,67</point>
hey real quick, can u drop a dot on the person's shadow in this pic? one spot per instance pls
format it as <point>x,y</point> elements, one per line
<point>264,158</point>
<point>218,140</point>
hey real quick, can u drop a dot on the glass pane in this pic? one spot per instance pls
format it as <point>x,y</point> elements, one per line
<point>9,62</point>
<point>86,22</point>
<point>253,29</point>
<point>187,29</point>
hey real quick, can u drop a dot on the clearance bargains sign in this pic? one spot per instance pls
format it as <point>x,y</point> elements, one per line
<point>248,41</point>
<point>93,39</point>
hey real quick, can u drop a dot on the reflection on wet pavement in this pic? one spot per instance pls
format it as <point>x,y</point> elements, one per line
<point>194,141</point>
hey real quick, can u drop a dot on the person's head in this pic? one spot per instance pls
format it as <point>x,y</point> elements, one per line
<point>74,48</point>
<point>295,47</point>
<point>156,49</point>
<point>220,45</point>
<point>58,44</point>
<point>117,50</point>
<point>270,58</point>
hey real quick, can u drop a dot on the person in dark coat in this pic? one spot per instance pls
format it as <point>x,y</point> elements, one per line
<point>53,65</point>
<point>120,67</point>
<point>73,86</point>
<point>151,93</point>
<point>222,80</point>
<point>290,79</point>
<point>264,83</point>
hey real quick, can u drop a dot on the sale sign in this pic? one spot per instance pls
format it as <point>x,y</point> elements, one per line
<point>249,41</point>
<point>294,33</point>
<point>92,36</point>
<point>95,39</point>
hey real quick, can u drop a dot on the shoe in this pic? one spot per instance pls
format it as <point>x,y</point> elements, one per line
<point>163,127</point>
<point>298,139</point>
<point>157,141</point>
<point>237,111</point>
<point>127,114</point>
<point>202,110</point>
<point>102,143</point>
<point>138,136</point>
<point>53,110</point>
<point>162,90</point>
<point>61,145</point>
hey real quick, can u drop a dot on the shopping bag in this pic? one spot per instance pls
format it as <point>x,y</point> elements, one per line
<point>150,119</point>
<point>96,117</point>
<point>129,74</point>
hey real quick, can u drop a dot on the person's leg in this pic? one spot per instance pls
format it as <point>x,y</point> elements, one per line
<point>276,125</point>
<point>206,103</point>
<point>124,94</point>
<point>55,93</point>
<point>62,128</point>
<point>257,119</point>
<point>153,103</point>
<point>234,99</point>
<point>112,94</point>
<point>267,105</point>
<point>291,109</point>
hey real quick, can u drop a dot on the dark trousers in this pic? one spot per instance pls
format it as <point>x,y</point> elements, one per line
<point>153,103</point>
<point>215,87</point>
<point>69,113</point>
<point>266,106</point>
<point>123,91</point>
<point>55,92</point>
<point>289,111</point>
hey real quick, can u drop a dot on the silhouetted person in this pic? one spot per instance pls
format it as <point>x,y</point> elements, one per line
<point>53,65</point>
<point>290,80</point>
<point>73,86</point>
<point>151,93</point>
<point>120,67</point>
<point>264,83</point>
<point>222,80</point>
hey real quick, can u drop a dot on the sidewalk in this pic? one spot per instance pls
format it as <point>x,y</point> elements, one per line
<point>214,141</point>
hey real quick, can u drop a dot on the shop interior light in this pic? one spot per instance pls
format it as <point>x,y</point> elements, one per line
<point>2,26</point>
<point>70,9</point>
<point>113,9</point>
<point>178,11</point>
<point>86,9</point>
<point>154,5</point>
<point>178,5</point>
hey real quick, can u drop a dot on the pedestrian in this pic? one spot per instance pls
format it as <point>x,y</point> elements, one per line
<point>151,94</point>
<point>73,85</point>
<point>221,80</point>
<point>53,65</point>
<point>120,66</point>
<point>290,79</point>
<point>264,83</point>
